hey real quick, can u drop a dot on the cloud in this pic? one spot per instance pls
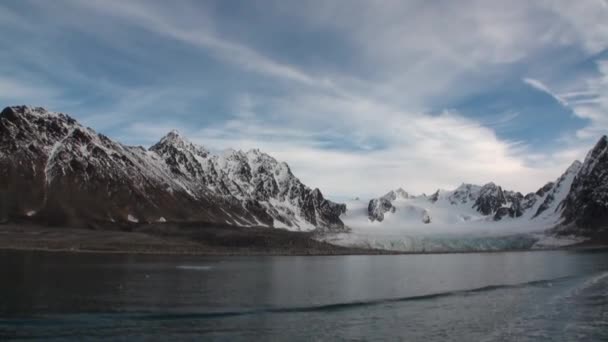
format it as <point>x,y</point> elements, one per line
<point>418,152</point>
<point>586,22</point>
<point>157,21</point>
<point>591,103</point>
<point>16,90</point>
<point>379,118</point>
<point>538,85</point>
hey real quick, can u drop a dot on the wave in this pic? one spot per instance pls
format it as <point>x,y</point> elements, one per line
<point>347,305</point>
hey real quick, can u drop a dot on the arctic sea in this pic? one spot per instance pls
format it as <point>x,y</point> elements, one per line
<point>510,296</point>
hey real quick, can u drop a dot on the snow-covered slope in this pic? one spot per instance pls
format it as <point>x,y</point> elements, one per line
<point>250,177</point>
<point>471,216</point>
<point>464,208</point>
<point>54,169</point>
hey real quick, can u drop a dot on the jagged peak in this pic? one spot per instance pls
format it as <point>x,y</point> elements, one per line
<point>231,153</point>
<point>13,111</point>
<point>490,185</point>
<point>467,187</point>
<point>256,156</point>
<point>575,163</point>
<point>174,133</point>
<point>599,147</point>
<point>254,151</point>
<point>402,193</point>
<point>599,150</point>
<point>173,136</point>
<point>574,167</point>
<point>176,139</point>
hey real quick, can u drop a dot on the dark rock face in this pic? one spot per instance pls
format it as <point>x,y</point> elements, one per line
<point>552,193</point>
<point>503,212</point>
<point>253,176</point>
<point>378,207</point>
<point>585,209</point>
<point>434,197</point>
<point>55,170</point>
<point>516,204</point>
<point>465,193</point>
<point>542,191</point>
<point>490,199</point>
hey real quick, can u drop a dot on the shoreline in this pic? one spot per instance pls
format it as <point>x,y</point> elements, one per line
<point>262,254</point>
<point>171,240</point>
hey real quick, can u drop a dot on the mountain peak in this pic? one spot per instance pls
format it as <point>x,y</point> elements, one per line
<point>601,145</point>
<point>402,193</point>
<point>71,174</point>
<point>490,185</point>
<point>174,140</point>
<point>173,136</point>
<point>574,167</point>
<point>587,202</point>
<point>597,153</point>
<point>22,109</point>
<point>467,186</point>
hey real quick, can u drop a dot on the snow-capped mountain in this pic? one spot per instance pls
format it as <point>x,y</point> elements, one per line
<point>485,218</point>
<point>251,177</point>
<point>585,209</point>
<point>576,203</point>
<point>56,170</point>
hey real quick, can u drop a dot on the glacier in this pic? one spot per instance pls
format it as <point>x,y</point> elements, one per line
<point>468,218</point>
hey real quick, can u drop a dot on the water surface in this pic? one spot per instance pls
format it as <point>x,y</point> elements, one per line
<point>549,295</point>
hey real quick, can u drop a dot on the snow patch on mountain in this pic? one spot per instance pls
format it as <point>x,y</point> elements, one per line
<point>468,214</point>
<point>254,178</point>
<point>88,176</point>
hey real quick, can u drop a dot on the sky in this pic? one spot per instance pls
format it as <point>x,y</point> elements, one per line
<point>357,96</point>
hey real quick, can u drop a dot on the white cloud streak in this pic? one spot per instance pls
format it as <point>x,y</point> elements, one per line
<point>538,85</point>
<point>363,134</point>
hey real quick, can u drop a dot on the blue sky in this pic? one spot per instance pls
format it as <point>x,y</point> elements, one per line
<point>357,96</point>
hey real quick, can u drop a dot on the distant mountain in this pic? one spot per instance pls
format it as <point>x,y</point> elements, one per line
<point>55,170</point>
<point>576,203</point>
<point>585,209</point>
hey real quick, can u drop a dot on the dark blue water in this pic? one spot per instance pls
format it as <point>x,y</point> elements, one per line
<point>522,296</point>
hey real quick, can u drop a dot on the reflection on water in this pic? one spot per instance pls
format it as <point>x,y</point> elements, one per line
<point>499,296</point>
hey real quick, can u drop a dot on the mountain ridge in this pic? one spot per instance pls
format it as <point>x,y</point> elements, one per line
<point>55,170</point>
<point>89,177</point>
<point>575,203</point>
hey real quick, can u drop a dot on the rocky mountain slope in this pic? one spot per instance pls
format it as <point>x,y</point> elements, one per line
<point>54,170</point>
<point>585,209</point>
<point>576,203</point>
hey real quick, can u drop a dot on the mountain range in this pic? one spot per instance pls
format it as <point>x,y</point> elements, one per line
<point>56,171</point>
<point>575,203</point>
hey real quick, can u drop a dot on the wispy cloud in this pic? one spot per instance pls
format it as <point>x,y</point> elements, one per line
<point>365,107</point>
<point>538,85</point>
<point>143,15</point>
